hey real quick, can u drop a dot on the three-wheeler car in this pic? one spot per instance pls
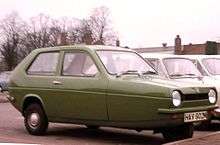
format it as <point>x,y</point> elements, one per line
<point>105,86</point>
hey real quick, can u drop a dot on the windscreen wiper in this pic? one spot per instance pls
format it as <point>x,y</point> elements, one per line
<point>176,75</point>
<point>192,75</point>
<point>128,72</point>
<point>184,75</point>
<point>149,72</point>
<point>189,74</point>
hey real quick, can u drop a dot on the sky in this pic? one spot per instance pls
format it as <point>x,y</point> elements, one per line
<point>138,23</point>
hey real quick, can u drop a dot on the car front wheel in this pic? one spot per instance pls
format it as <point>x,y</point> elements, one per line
<point>181,132</point>
<point>35,119</point>
<point>204,125</point>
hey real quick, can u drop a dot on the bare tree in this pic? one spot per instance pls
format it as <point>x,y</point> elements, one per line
<point>100,24</point>
<point>65,31</point>
<point>74,31</point>
<point>56,35</point>
<point>11,32</point>
<point>19,38</point>
<point>85,33</point>
<point>44,31</point>
<point>36,34</point>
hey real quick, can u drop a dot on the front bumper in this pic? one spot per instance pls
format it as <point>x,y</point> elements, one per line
<point>185,110</point>
<point>216,113</point>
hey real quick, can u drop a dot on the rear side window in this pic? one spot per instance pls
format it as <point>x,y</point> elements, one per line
<point>44,64</point>
<point>79,64</point>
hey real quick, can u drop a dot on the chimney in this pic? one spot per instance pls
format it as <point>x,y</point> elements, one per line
<point>178,45</point>
<point>117,43</point>
<point>164,45</point>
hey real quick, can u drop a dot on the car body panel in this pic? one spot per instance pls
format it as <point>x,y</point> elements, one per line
<point>128,101</point>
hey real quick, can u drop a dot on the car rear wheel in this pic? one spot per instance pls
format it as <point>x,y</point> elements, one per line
<point>35,119</point>
<point>181,132</point>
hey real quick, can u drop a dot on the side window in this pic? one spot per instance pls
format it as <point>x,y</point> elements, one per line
<point>160,69</point>
<point>78,64</point>
<point>201,70</point>
<point>44,64</point>
<point>157,65</point>
<point>153,62</point>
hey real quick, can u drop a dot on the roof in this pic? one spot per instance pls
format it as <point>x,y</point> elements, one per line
<point>104,47</point>
<point>167,49</point>
<point>83,47</point>
<point>156,55</point>
<point>162,56</point>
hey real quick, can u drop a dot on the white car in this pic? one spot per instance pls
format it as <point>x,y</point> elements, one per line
<point>182,68</point>
<point>174,67</point>
<point>209,67</point>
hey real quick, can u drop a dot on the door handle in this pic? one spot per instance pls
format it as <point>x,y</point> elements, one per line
<point>57,83</point>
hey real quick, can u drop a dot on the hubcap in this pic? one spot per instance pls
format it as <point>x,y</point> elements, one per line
<point>34,120</point>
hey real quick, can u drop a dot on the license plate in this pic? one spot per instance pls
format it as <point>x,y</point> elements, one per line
<point>195,116</point>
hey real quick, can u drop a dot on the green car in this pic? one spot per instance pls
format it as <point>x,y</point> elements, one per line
<point>104,86</point>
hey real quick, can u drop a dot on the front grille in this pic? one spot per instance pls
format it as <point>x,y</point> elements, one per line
<point>189,97</point>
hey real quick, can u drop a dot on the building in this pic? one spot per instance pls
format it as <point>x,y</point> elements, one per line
<point>163,49</point>
<point>210,47</point>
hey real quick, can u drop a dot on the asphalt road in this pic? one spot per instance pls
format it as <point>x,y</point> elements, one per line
<point>12,131</point>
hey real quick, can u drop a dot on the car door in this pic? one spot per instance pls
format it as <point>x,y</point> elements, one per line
<point>129,102</point>
<point>40,75</point>
<point>82,86</point>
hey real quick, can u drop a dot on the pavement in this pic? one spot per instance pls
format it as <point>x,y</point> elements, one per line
<point>210,139</point>
<point>3,98</point>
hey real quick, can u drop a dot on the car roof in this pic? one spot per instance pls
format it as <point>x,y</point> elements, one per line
<point>82,47</point>
<point>200,56</point>
<point>162,56</point>
<point>159,55</point>
<point>149,55</point>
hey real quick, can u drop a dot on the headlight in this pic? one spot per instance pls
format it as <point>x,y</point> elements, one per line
<point>212,96</point>
<point>176,96</point>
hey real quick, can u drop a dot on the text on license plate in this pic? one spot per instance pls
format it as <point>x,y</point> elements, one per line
<point>195,116</point>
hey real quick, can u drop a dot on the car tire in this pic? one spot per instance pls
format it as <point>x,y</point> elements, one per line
<point>178,133</point>
<point>35,119</point>
<point>93,127</point>
<point>204,125</point>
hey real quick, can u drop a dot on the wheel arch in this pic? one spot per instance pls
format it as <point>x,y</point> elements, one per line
<point>31,98</point>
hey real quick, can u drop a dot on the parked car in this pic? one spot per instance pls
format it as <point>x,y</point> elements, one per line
<point>4,78</point>
<point>174,67</point>
<point>182,68</point>
<point>105,86</point>
<point>209,67</point>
